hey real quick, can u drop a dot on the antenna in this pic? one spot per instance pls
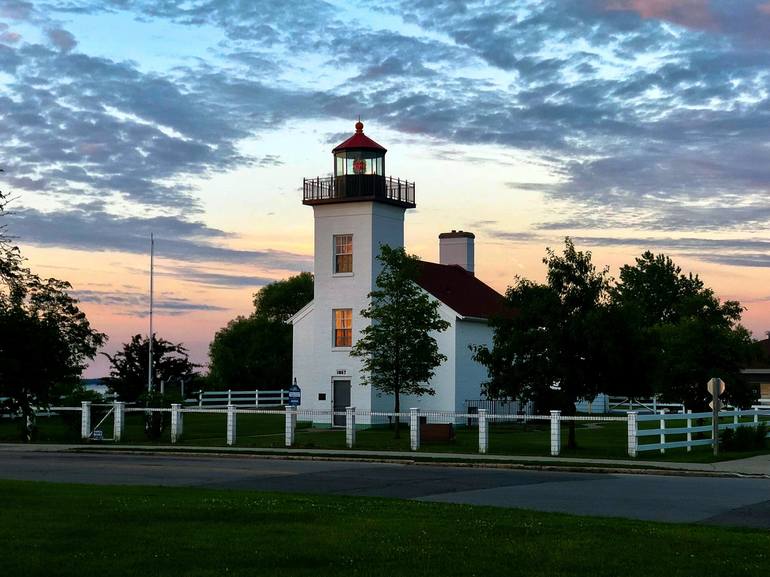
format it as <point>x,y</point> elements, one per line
<point>152,272</point>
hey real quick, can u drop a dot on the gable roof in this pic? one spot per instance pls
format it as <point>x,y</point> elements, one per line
<point>460,290</point>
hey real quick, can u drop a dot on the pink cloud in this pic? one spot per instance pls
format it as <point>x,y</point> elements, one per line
<point>10,37</point>
<point>764,8</point>
<point>689,13</point>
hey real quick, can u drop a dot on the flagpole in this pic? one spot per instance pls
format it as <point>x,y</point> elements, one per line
<point>152,271</point>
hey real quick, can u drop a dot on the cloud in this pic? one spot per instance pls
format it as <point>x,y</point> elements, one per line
<point>176,239</point>
<point>61,39</point>
<point>690,13</point>
<point>16,9</point>
<point>136,304</point>
<point>640,122</point>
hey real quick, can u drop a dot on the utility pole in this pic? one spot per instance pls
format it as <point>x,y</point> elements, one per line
<point>152,272</point>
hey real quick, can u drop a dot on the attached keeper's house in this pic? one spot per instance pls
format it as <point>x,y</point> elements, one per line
<point>357,210</point>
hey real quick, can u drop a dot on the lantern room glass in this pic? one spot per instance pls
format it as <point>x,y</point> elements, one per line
<point>359,162</point>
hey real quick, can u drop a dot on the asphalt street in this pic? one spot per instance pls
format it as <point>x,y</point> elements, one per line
<point>719,500</point>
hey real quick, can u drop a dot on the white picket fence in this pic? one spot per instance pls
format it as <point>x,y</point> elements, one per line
<point>740,418</point>
<point>254,398</point>
<point>556,420</point>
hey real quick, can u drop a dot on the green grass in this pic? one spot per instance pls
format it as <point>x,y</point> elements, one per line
<point>81,530</point>
<point>603,440</point>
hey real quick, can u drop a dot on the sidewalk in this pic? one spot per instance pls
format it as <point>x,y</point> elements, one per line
<point>754,466</point>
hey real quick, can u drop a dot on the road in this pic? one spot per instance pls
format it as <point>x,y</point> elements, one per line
<point>717,500</point>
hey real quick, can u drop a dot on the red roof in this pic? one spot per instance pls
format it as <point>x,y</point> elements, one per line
<point>460,290</point>
<point>359,141</point>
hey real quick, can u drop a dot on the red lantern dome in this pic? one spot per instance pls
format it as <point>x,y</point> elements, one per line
<point>359,175</point>
<point>359,141</point>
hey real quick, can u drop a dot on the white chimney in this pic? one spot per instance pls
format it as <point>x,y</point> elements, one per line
<point>456,247</point>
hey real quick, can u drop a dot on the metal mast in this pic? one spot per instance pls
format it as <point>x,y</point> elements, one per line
<point>152,272</point>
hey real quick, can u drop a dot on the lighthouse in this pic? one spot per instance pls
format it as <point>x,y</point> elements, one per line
<point>355,211</point>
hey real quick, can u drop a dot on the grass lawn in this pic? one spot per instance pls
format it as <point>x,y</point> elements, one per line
<point>595,440</point>
<point>83,530</point>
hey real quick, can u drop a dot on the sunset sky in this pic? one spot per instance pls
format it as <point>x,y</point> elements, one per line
<point>626,124</point>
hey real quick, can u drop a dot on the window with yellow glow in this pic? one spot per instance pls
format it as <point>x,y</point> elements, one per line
<point>343,327</point>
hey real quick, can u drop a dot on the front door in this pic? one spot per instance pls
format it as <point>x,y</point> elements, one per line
<point>341,401</point>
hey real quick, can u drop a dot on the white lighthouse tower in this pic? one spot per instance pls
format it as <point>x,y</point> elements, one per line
<point>356,211</point>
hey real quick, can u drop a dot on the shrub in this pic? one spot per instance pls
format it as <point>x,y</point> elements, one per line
<point>745,438</point>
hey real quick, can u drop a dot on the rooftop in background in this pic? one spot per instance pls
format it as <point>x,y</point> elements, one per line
<point>461,291</point>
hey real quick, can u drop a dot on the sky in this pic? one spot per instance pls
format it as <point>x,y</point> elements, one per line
<point>628,125</point>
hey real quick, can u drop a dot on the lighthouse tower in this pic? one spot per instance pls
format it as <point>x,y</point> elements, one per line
<point>356,210</point>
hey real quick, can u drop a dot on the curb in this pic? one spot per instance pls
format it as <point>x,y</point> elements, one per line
<point>641,469</point>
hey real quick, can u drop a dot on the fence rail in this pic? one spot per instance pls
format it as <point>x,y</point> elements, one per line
<point>256,398</point>
<point>665,426</point>
<point>740,418</point>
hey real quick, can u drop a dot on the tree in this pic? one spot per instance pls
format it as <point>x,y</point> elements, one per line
<point>280,300</point>
<point>251,352</point>
<point>256,351</point>
<point>45,339</point>
<point>552,348</point>
<point>129,369</point>
<point>398,350</point>
<point>689,334</point>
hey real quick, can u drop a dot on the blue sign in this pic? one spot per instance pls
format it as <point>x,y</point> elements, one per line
<point>295,395</point>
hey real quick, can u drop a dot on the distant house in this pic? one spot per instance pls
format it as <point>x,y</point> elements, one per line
<point>355,212</point>
<point>758,373</point>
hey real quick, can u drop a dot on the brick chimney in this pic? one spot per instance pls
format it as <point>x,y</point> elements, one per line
<point>456,247</point>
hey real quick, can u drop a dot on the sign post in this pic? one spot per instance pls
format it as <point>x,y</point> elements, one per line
<point>716,387</point>
<point>295,395</point>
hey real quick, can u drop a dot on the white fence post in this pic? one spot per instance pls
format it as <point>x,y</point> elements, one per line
<point>756,416</point>
<point>118,413</point>
<point>256,398</point>
<point>483,431</point>
<point>175,428</point>
<point>555,433</point>
<point>291,425</point>
<point>633,441</point>
<point>662,433</point>
<point>230,424</point>
<point>229,397</point>
<point>414,429</point>
<point>689,432</point>
<point>350,426</point>
<point>85,419</point>
<point>737,417</point>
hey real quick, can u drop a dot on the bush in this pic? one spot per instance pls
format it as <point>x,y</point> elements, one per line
<point>156,422</point>
<point>761,435</point>
<point>745,438</point>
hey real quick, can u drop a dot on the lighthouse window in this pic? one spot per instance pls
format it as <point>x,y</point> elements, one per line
<point>343,253</point>
<point>343,327</point>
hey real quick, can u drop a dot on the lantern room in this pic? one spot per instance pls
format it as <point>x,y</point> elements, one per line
<point>359,154</point>
<point>358,175</point>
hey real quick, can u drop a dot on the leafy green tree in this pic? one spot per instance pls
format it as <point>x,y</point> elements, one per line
<point>552,348</point>
<point>45,339</point>
<point>689,334</point>
<point>280,300</point>
<point>255,352</point>
<point>399,353</point>
<point>251,353</point>
<point>129,370</point>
